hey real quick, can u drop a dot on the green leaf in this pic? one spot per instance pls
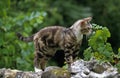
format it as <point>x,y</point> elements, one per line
<point>100,48</point>
<point>11,49</point>
<point>119,50</point>
<point>87,53</point>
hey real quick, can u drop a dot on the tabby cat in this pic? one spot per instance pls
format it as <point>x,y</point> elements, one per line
<point>52,38</point>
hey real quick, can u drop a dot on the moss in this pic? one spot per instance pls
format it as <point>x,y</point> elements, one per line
<point>61,72</point>
<point>56,73</point>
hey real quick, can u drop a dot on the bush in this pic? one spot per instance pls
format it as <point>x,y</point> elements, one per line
<point>99,48</point>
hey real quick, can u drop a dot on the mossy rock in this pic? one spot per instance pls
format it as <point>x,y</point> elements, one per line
<point>56,73</point>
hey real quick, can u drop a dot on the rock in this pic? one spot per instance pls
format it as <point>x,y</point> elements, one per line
<point>98,68</point>
<point>93,69</point>
<point>55,72</point>
<point>79,69</point>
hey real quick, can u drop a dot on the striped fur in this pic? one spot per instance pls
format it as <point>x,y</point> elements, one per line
<point>52,38</point>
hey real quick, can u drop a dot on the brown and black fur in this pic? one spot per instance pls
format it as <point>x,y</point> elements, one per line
<point>50,39</point>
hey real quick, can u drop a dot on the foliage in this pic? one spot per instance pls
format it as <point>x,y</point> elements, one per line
<point>117,60</point>
<point>14,53</point>
<point>106,13</point>
<point>99,48</point>
<point>27,17</point>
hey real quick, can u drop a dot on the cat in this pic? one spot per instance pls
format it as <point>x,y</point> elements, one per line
<point>49,39</point>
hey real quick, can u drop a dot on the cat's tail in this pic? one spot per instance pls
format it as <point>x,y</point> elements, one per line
<point>26,39</point>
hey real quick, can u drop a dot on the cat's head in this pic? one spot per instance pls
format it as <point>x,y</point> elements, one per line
<point>84,26</point>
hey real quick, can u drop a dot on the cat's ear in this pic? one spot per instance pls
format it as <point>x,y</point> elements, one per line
<point>88,19</point>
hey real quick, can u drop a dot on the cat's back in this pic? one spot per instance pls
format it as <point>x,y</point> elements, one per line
<point>50,32</point>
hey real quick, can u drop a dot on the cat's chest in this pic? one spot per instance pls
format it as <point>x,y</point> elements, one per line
<point>79,37</point>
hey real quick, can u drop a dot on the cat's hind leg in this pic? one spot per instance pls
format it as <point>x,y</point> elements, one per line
<point>39,59</point>
<point>39,62</point>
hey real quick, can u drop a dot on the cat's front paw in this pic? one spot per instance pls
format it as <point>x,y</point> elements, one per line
<point>37,69</point>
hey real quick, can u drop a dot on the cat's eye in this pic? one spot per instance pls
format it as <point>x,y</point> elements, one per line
<point>88,23</point>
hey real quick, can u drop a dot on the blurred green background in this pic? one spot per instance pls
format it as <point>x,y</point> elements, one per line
<point>29,16</point>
